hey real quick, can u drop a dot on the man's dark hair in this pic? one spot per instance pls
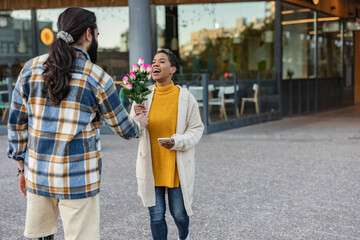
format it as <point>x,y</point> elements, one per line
<point>74,21</point>
<point>172,57</point>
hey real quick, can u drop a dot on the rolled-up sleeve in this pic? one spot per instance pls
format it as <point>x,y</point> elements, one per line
<point>17,125</point>
<point>114,113</point>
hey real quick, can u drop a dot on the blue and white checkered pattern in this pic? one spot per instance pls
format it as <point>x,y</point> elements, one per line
<point>60,144</point>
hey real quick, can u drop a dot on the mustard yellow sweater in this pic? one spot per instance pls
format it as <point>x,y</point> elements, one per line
<point>162,123</point>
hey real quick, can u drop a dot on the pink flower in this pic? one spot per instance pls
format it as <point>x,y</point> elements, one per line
<point>135,67</point>
<point>125,79</point>
<point>128,85</point>
<point>142,67</point>
<point>134,82</point>
<point>141,61</point>
<point>148,68</point>
<point>132,75</point>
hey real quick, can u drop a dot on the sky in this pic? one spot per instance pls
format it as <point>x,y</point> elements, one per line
<point>112,21</point>
<point>205,16</point>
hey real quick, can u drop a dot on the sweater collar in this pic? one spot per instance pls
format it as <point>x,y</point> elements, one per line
<point>165,90</point>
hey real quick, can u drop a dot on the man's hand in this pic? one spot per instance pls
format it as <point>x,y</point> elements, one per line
<point>142,119</point>
<point>21,177</point>
<point>22,185</point>
<point>140,108</point>
<point>167,145</point>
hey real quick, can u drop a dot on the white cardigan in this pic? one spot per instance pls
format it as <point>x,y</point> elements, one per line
<point>189,130</point>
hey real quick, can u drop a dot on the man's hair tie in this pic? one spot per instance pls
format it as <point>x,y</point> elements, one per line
<point>65,36</point>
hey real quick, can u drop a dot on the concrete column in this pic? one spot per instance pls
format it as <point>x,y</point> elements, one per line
<point>140,40</point>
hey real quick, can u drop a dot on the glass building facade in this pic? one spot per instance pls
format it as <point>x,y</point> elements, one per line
<point>314,46</point>
<point>227,53</point>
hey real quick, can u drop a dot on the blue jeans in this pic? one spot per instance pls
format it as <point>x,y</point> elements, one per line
<point>177,209</point>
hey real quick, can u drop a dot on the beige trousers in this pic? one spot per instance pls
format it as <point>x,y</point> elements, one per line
<point>80,217</point>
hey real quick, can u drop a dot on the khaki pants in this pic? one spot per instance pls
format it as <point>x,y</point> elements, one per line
<point>80,217</point>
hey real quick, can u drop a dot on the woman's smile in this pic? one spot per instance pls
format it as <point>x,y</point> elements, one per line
<point>156,71</point>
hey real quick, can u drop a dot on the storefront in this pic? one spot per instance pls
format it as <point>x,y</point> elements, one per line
<point>245,61</point>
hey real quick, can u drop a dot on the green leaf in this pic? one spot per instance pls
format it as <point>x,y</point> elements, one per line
<point>138,88</point>
<point>127,91</point>
<point>147,92</point>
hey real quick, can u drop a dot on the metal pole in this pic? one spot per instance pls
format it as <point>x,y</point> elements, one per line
<point>278,51</point>
<point>259,92</point>
<point>235,97</point>
<point>154,29</point>
<point>299,96</point>
<point>34,33</point>
<point>140,31</point>
<point>291,96</point>
<point>307,95</point>
<point>342,79</point>
<point>10,88</point>
<point>205,83</point>
<point>316,60</point>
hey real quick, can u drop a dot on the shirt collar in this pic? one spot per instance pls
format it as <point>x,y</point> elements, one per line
<point>82,53</point>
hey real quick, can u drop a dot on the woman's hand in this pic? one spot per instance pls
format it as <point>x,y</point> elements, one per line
<point>142,119</point>
<point>167,145</point>
<point>140,108</point>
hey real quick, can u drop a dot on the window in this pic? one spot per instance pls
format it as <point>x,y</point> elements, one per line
<point>298,40</point>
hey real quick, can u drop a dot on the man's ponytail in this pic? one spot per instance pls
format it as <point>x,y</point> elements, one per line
<point>72,24</point>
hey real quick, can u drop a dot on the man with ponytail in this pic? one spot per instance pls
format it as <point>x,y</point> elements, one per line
<point>54,130</point>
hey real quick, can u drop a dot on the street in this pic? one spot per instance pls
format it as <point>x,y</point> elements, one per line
<point>295,178</point>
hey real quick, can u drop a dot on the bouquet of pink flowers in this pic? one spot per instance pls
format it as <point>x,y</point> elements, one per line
<point>135,83</point>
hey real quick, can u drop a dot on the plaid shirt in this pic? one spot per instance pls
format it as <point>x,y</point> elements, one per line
<point>61,144</point>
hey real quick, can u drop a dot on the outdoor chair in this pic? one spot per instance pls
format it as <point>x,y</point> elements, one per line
<point>219,101</point>
<point>197,92</point>
<point>254,99</point>
<point>230,90</point>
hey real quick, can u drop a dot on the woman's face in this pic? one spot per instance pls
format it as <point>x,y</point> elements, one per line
<point>161,68</point>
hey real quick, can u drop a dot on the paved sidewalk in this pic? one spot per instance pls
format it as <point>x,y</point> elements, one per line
<point>296,178</point>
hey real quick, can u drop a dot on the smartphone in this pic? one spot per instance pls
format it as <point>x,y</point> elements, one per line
<point>163,140</point>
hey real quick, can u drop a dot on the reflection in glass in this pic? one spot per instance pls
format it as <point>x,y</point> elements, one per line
<point>350,26</point>
<point>15,50</point>
<point>329,46</point>
<point>298,42</point>
<point>15,43</point>
<point>236,49</point>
